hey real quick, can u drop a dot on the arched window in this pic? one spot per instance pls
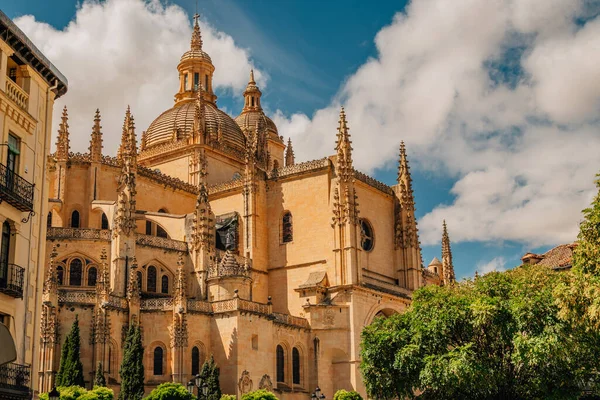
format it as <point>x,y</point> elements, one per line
<point>75,219</point>
<point>104,222</point>
<point>206,82</point>
<point>139,279</point>
<point>151,282</point>
<point>49,220</point>
<point>158,361</point>
<point>367,238</point>
<point>164,284</point>
<point>195,361</point>
<point>295,366</point>
<point>91,276</point>
<point>160,232</point>
<point>287,233</point>
<point>75,271</point>
<point>280,364</point>
<point>60,274</point>
<point>148,228</point>
<point>4,253</point>
<point>109,358</point>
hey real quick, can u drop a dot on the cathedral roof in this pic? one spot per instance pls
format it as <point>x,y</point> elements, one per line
<point>249,119</point>
<point>435,262</point>
<point>179,120</point>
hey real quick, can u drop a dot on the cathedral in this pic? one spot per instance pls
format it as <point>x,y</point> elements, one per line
<point>208,233</point>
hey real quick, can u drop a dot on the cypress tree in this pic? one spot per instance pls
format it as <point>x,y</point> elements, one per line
<point>70,371</point>
<point>132,366</point>
<point>99,378</point>
<point>210,375</point>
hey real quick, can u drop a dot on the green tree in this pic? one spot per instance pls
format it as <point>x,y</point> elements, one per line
<point>260,394</point>
<point>99,378</point>
<point>70,370</point>
<point>344,395</point>
<point>170,391</point>
<point>499,336</point>
<point>210,375</point>
<point>132,366</point>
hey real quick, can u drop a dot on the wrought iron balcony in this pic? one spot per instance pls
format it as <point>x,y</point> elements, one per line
<point>11,280</point>
<point>14,381</point>
<point>15,190</point>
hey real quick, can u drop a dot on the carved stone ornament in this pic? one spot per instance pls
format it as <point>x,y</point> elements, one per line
<point>245,383</point>
<point>265,383</point>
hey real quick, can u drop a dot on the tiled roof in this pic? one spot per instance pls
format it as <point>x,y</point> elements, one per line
<point>559,257</point>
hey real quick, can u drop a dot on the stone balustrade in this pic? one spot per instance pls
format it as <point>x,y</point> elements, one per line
<point>16,94</point>
<point>157,304</point>
<point>78,233</point>
<point>160,242</point>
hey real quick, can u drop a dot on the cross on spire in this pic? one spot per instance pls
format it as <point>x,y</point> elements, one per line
<point>196,42</point>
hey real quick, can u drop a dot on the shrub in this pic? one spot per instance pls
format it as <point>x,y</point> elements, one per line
<point>67,393</point>
<point>98,393</point>
<point>260,394</point>
<point>229,397</point>
<point>345,395</point>
<point>170,391</point>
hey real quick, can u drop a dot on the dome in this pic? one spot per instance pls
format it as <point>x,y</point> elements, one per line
<point>180,119</point>
<point>247,120</point>
<point>196,54</point>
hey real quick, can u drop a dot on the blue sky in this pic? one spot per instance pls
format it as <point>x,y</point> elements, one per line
<point>316,54</point>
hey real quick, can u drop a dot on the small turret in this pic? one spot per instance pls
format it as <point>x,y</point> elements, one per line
<point>447,267</point>
<point>289,154</point>
<point>96,139</point>
<point>62,141</point>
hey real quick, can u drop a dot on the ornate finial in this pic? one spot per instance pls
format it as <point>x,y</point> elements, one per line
<point>405,180</point>
<point>51,282</point>
<point>96,139</point>
<point>125,216</point>
<point>133,289</point>
<point>196,42</point>
<point>62,141</point>
<point>180,285</point>
<point>447,267</point>
<point>289,154</point>
<point>251,81</point>
<point>343,147</point>
<point>203,221</point>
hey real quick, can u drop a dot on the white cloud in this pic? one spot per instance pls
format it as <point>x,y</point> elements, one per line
<point>120,52</point>
<point>495,264</point>
<point>523,149</point>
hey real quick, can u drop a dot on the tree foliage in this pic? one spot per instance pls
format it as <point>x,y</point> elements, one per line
<point>260,394</point>
<point>99,377</point>
<point>499,336</point>
<point>228,397</point>
<point>70,371</point>
<point>344,395</point>
<point>132,366</point>
<point>170,391</point>
<point>210,375</point>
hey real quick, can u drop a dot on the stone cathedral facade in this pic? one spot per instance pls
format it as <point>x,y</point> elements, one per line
<point>209,234</point>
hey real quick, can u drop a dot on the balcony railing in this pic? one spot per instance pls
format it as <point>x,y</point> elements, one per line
<point>16,94</point>
<point>15,190</point>
<point>14,378</point>
<point>11,280</point>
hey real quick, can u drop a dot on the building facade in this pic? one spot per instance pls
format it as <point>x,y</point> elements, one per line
<point>29,84</point>
<point>213,238</point>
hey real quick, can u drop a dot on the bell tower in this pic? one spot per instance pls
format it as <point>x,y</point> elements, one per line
<point>195,71</point>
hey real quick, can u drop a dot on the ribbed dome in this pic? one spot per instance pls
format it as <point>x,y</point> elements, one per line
<point>180,119</point>
<point>195,54</point>
<point>248,120</point>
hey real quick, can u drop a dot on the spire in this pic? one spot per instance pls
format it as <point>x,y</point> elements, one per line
<point>405,180</point>
<point>196,42</point>
<point>62,141</point>
<point>51,281</point>
<point>203,222</point>
<point>289,154</point>
<point>96,139</point>
<point>126,191</point>
<point>447,267</point>
<point>252,95</point>
<point>180,284</point>
<point>133,288</point>
<point>343,147</point>
<point>103,282</point>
